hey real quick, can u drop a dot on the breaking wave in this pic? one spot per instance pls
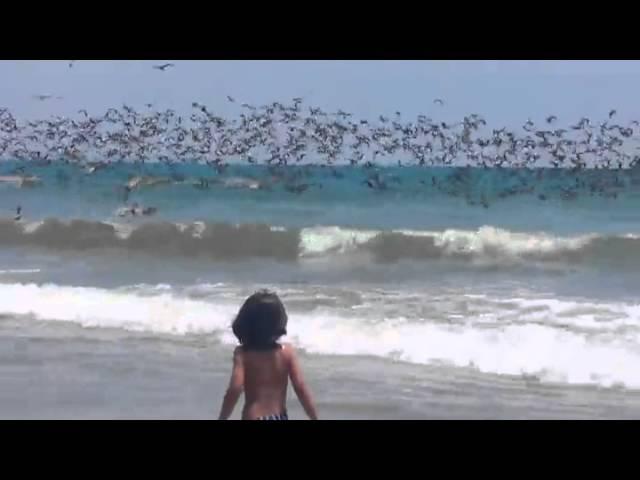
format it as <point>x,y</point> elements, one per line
<point>553,340</point>
<point>229,242</point>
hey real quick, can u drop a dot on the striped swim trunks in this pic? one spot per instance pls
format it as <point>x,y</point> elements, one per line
<point>280,416</point>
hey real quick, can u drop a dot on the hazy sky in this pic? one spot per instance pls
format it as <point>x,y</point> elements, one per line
<point>505,92</point>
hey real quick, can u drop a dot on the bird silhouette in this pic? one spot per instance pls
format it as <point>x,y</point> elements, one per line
<point>42,97</point>
<point>283,134</point>
<point>163,67</point>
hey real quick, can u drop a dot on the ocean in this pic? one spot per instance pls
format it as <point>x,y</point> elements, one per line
<point>412,292</point>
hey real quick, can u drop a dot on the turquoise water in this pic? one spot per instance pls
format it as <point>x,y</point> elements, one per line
<point>558,202</point>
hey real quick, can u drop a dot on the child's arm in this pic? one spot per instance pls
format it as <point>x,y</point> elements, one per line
<point>236,385</point>
<point>299,386</point>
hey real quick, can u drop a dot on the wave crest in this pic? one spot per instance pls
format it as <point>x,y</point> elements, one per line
<point>236,242</point>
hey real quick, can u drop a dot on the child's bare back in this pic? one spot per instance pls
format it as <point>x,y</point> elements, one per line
<point>266,376</point>
<point>261,366</point>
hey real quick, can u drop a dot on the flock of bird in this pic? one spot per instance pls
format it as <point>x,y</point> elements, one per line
<point>286,134</point>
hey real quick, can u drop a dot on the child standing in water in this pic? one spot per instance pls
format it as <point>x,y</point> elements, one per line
<point>262,367</point>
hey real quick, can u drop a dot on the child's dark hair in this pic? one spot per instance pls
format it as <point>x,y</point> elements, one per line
<point>261,321</point>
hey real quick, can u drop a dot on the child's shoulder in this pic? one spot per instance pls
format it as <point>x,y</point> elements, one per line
<point>238,353</point>
<point>287,349</point>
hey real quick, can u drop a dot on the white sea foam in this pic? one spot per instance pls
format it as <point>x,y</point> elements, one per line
<point>485,241</point>
<point>24,271</point>
<point>556,340</point>
<point>490,239</point>
<point>323,240</point>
